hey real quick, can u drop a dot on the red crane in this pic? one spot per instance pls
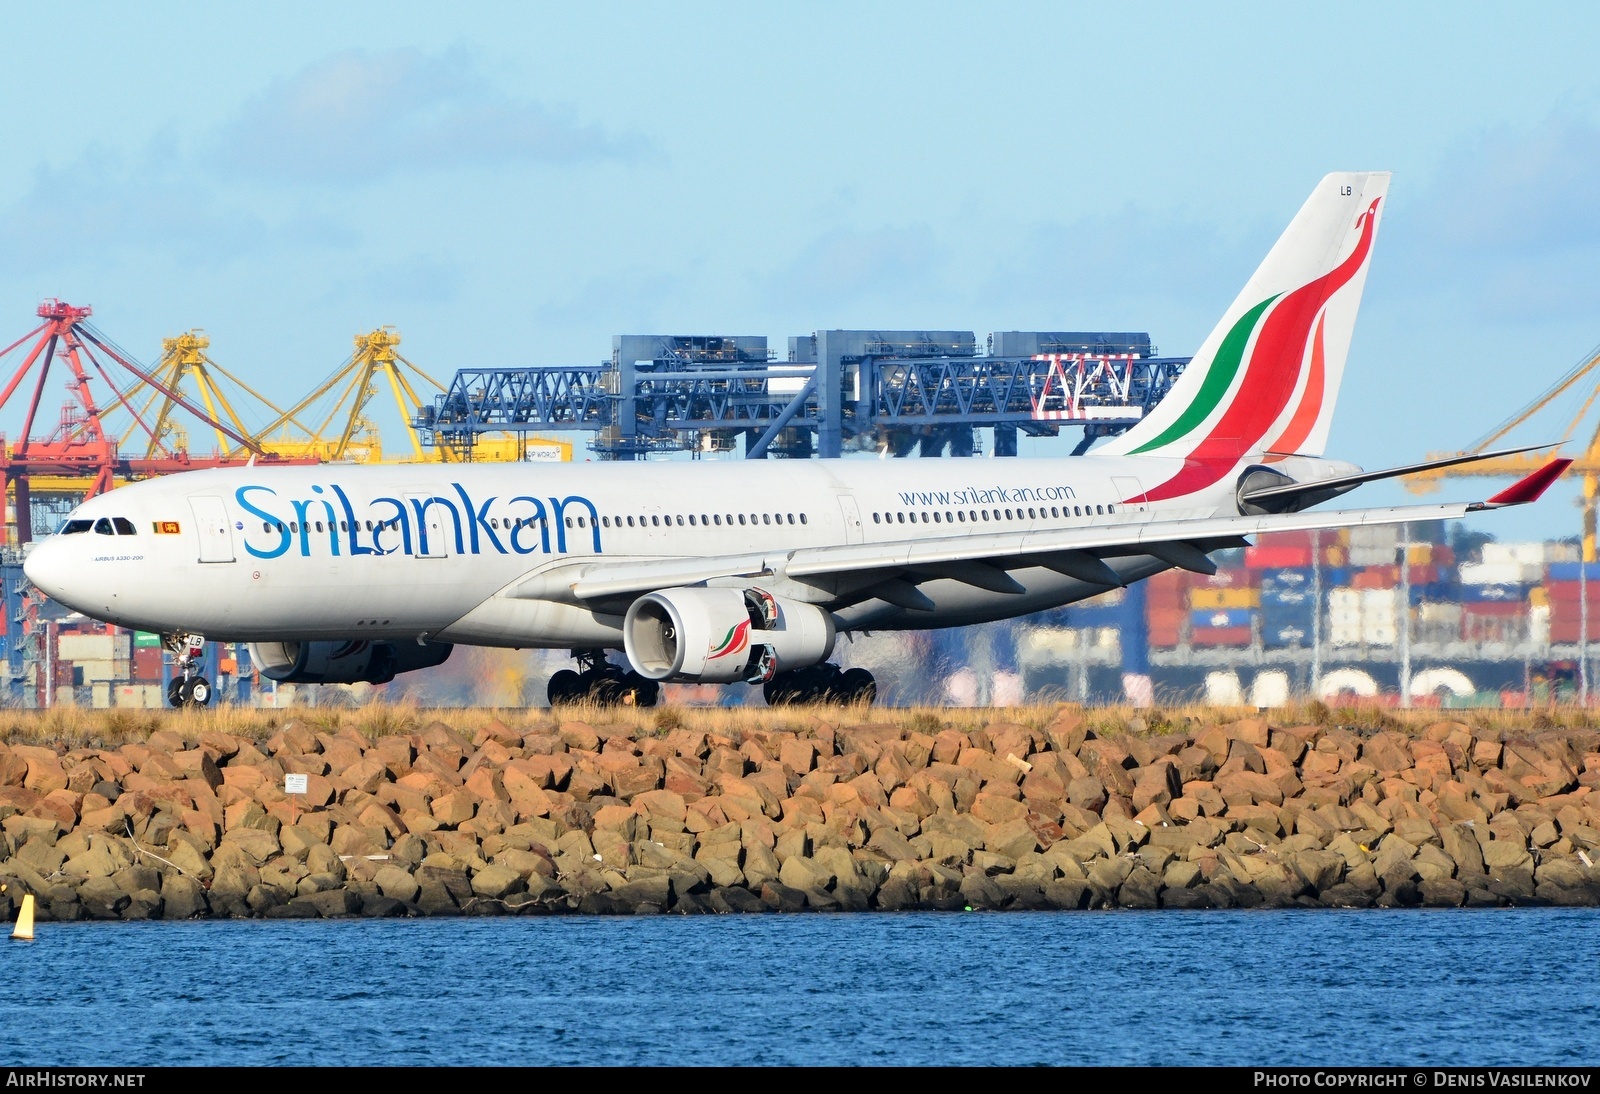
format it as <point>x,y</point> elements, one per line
<point>80,446</point>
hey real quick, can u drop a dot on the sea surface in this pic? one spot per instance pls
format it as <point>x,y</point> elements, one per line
<point>1171,987</point>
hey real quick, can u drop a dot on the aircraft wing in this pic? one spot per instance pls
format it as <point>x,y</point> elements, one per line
<point>982,559</point>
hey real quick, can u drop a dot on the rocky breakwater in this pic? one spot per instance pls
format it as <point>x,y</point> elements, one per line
<point>583,818</point>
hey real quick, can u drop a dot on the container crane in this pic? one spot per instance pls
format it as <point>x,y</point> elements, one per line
<point>1582,383</point>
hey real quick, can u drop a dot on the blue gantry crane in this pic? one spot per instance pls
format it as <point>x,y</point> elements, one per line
<point>899,392</point>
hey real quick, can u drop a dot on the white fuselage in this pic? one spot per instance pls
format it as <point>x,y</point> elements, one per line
<point>336,551</point>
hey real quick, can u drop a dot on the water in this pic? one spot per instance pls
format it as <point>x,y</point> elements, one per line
<point>1292,987</point>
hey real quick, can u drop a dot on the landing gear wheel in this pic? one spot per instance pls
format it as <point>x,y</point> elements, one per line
<point>635,690</point>
<point>603,690</point>
<point>175,692</point>
<point>565,687</point>
<point>200,692</point>
<point>855,686</point>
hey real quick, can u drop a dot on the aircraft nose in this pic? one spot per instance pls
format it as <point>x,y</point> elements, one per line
<point>48,568</point>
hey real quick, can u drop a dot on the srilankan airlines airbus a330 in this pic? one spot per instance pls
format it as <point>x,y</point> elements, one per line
<point>747,571</point>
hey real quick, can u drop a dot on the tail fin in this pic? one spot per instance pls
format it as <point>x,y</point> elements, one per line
<point>1266,379</point>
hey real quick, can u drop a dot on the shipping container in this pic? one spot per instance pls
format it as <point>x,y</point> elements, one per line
<point>1570,591</point>
<point>1500,573</point>
<point>1275,558</point>
<point>146,664</point>
<point>1285,635</point>
<point>1379,605</point>
<point>1482,594</point>
<point>1221,617</point>
<point>1223,598</point>
<point>1283,598</point>
<point>1288,539</point>
<point>1344,600</point>
<point>1226,577</point>
<point>91,672</point>
<point>142,696</point>
<point>1569,571</point>
<point>1293,578</point>
<point>86,647</point>
<point>1374,536</point>
<point>1496,609</point>
<point>1376,577</point>
<point>1372,556</point>
<point>1164,637</point>
<point>1378,632</point>
<point>1219,636</point>
<point>1344,634</point>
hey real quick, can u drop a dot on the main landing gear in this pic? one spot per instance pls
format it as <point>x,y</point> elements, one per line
<point>187,688</point>
<point>821,684</point>
<point>601,683</point>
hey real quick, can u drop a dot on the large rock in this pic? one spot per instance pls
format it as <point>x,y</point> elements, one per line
<point>1500,854</point>
<point>396,883</point>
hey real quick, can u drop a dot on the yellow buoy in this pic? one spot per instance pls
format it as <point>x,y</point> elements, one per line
<point>24,927</point>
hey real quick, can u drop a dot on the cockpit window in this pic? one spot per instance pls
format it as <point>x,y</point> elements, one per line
<point>124,526</point>
<point>73,527</point>
<point>103,527</point>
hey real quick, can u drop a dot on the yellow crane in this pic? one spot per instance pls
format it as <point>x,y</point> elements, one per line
<point>1582,384</point>
<point>354,384</point>
<point>185,367</point>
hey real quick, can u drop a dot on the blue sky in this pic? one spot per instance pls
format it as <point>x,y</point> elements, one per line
<point>516,183</point>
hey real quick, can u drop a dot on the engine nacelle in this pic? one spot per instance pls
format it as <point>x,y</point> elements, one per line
<point>344,662</point>
<point>722,635</point>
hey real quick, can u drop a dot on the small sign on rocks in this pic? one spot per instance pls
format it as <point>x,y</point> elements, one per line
<point>296,784</point>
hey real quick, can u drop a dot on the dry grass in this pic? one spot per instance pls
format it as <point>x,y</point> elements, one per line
<point>70,727</point>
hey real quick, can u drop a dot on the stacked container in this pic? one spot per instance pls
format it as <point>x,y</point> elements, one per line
<point>1565,590</point>
<point>1222,608</point>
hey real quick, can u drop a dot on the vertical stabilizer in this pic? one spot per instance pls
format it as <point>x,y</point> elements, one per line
<point>1266,379</point>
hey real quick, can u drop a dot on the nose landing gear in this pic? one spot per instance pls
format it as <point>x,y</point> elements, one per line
<point>188,688</point>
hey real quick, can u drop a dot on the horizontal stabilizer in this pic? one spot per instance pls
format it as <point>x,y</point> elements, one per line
<point>1345,482</point>
<point>1529,488</point>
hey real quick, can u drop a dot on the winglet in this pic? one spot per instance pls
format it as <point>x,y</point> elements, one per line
<point>1530,488</point>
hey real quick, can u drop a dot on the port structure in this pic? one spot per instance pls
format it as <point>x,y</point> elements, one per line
<point>1575,394</point>
<point>83,454</point>
<point>894,392</point>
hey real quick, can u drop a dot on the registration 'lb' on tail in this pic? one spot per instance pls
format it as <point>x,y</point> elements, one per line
<point>1266,379</point>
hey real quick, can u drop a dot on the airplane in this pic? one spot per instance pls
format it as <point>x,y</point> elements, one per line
<point>722,572</point>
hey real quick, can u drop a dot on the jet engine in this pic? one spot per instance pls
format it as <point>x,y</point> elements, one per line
<point>721,635</point>
<point>344,662</point>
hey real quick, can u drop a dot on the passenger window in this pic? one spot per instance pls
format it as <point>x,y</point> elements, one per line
<point>691,520</point>
<point>741,518</point>
<point>802,518</point>
<point>716,519</point>
<point>936,518</point>
<point>74,527</point>
<point>791,518</point>
<point>901,517</point>
<point>766,518</point>
<point>985,513</point>
<point>680,521</point>
<point>630,522</point>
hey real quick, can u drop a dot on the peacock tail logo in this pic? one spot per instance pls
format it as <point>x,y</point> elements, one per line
<point>737,640</point>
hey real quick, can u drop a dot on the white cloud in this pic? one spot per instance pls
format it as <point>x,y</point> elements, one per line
<point>358,116</point>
